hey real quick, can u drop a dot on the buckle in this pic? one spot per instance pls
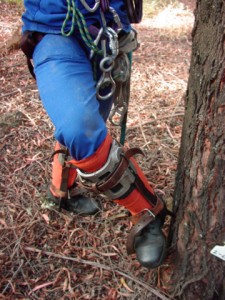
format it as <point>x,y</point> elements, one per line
<point>149,211</point>
<point>136,218</point>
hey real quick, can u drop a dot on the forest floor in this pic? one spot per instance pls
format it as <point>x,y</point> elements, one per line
<point>47,254</point>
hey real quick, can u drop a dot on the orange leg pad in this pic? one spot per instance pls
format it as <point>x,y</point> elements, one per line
<point>96,160</point>
<point>57,172</point>
<point>135,201</point>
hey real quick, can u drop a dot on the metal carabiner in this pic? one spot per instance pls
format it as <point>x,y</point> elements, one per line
<point>91,9</point>
<point>96,41</point>
<point>113,41</point>
<point>117,114</point>
<point>106,65</point>
<point>116,17</point>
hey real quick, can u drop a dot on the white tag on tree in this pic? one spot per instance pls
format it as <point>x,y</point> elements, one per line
<point>219,251</point>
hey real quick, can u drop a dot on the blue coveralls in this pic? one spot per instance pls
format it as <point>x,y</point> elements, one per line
<point>65,76</point>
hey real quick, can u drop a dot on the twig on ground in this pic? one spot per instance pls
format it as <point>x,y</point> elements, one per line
<point>101,266</point>
<point>153,121</point>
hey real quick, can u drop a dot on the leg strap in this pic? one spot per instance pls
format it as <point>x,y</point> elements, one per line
<point>142,220</point>
<point>145,218</point>
<point>124,163</point>
<point>118,176</point>
<point>121,180</point>
<point>63,177</point>
<point>28,42</point>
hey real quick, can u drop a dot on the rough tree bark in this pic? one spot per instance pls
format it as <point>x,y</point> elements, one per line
<point>200,183</point>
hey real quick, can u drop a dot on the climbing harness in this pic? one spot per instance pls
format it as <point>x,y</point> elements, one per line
<point>116,52</point>
<point>115,49</point>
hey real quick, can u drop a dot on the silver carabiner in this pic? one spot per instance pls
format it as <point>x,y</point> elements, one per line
<point>96,41</point>
<point>117,114</point>
<point>116,17</point>
<point>91,9</point>
<point>113,41</point>
<point>107,64</point>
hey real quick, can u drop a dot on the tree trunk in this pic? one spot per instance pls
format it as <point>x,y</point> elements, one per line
<point>200,184</point>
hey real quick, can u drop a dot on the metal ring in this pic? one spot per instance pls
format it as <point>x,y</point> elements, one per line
<point>106,80</point>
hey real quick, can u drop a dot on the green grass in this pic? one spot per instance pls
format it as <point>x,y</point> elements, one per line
<point>152,7</point>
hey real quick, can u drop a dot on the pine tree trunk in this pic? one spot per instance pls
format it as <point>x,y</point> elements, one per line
<point>200,183</point>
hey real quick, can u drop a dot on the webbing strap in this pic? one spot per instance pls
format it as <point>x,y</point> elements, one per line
<point>145,219</point>
<point>63,155</point>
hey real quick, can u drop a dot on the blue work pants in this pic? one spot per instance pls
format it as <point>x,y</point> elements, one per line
<point>68,92</point>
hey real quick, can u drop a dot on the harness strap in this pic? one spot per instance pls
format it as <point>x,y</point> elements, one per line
<point>146,217</point>
<point>31,68</point>
<point>113,178</point>
<point>28,42</point>
<point>63,155</point>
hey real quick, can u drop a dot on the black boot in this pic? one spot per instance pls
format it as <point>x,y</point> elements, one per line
<point>77,204</point>
<point>150,246</point>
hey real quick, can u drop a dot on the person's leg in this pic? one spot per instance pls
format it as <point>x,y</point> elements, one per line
<point>63,190</point>
<point>67,89</point>
<point>113,171</point>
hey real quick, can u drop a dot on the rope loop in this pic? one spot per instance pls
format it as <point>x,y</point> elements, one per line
<point>77,18</point>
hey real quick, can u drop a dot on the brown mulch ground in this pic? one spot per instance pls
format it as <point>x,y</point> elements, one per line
<point>46,254</point>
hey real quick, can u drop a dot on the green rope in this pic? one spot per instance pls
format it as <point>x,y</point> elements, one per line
<point>78,18</point>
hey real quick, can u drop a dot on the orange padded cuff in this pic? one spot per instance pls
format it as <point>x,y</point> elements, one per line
<point>57,169</point>
<point>135,202</point>
<point>57,172</point>
<point>96,160</point>
<point>142,176</point>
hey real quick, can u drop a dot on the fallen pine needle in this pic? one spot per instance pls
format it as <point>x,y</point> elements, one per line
<point>41,286</point>
<point>122,280</point>
<point>98,265</point>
